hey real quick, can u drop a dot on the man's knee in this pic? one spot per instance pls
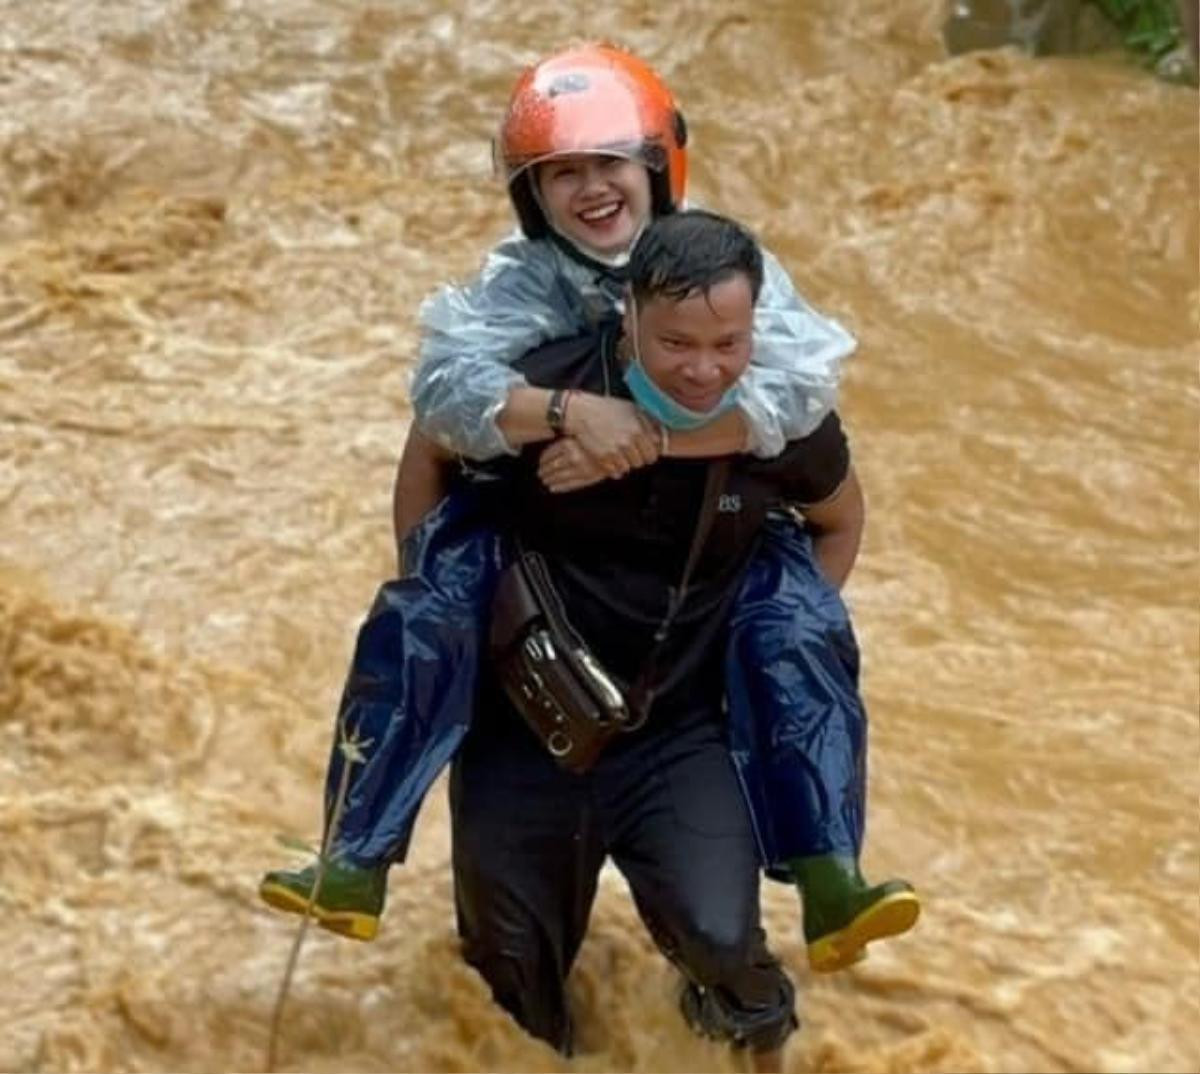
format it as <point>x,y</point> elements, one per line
<point>714,951</point>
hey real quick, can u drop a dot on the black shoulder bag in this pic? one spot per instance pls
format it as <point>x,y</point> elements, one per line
<point>572,704</point>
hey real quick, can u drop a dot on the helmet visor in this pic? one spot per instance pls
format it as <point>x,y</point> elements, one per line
<point>645,153</point>
<point>560,113</point>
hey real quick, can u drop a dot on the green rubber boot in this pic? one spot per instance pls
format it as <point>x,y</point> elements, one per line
<point>349,902</point>
<point>842,913</point>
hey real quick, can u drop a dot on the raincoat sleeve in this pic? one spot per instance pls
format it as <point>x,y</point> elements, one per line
<point>792,381</point>
<point>472,334</point>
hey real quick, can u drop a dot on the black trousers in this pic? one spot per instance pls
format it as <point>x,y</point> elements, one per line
<point>528,843</point>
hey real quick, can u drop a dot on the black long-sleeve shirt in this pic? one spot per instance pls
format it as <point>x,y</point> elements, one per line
<point>617,548</point>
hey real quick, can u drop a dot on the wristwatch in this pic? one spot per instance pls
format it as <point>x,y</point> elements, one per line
<point>556,411</point>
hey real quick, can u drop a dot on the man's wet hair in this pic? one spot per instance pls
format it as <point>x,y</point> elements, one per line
<point>692,251</point>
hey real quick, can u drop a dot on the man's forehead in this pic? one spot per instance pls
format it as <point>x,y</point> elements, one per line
<point>728,299</point>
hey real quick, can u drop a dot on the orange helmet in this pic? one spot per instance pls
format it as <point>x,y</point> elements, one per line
<point>591,99</point>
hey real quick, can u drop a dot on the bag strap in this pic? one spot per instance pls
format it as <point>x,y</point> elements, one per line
<point>641,693</point>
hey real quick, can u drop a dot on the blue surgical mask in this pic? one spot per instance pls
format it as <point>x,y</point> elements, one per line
<point>657,403</point>
<point>665,410</point>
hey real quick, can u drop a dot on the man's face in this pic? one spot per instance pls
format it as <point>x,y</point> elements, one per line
<point>696,348</point>
<point>600,202</point>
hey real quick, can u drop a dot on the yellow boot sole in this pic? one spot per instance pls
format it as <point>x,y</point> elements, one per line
<point>351,923</point>
<point>890,916</point>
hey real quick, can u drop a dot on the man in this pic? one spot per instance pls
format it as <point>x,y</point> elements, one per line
<point>663,802</point>
<point>410,688</point>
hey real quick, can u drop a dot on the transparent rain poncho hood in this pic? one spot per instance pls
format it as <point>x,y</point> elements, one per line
<point>530,292</point>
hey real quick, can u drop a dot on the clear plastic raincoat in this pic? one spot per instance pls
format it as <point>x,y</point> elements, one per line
<point>530,292</point>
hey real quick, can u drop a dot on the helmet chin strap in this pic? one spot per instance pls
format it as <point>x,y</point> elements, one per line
<point>617,260</point>
<point>614,266</point>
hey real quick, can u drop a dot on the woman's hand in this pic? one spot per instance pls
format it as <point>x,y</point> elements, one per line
<point>565,466</point>
<point>613,432</point>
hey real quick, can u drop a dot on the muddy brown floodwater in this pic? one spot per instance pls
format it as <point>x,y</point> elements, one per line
<point>217,220</point>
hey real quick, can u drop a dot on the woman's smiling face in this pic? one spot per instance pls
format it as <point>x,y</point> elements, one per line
<point>599,202</point>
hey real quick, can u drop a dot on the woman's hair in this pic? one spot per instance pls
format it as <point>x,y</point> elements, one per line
<point>692,251</point>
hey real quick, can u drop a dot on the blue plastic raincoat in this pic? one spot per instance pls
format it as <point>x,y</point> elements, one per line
<point>797,727</point>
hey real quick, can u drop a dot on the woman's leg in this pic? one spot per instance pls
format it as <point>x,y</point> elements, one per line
<point>799,731</point>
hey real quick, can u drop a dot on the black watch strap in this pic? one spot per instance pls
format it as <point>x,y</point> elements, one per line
<point>556,411</point>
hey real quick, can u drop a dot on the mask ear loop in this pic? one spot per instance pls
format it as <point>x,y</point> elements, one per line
<point>635,327</point>
<point>635,343</point>
<point>664,436</point>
